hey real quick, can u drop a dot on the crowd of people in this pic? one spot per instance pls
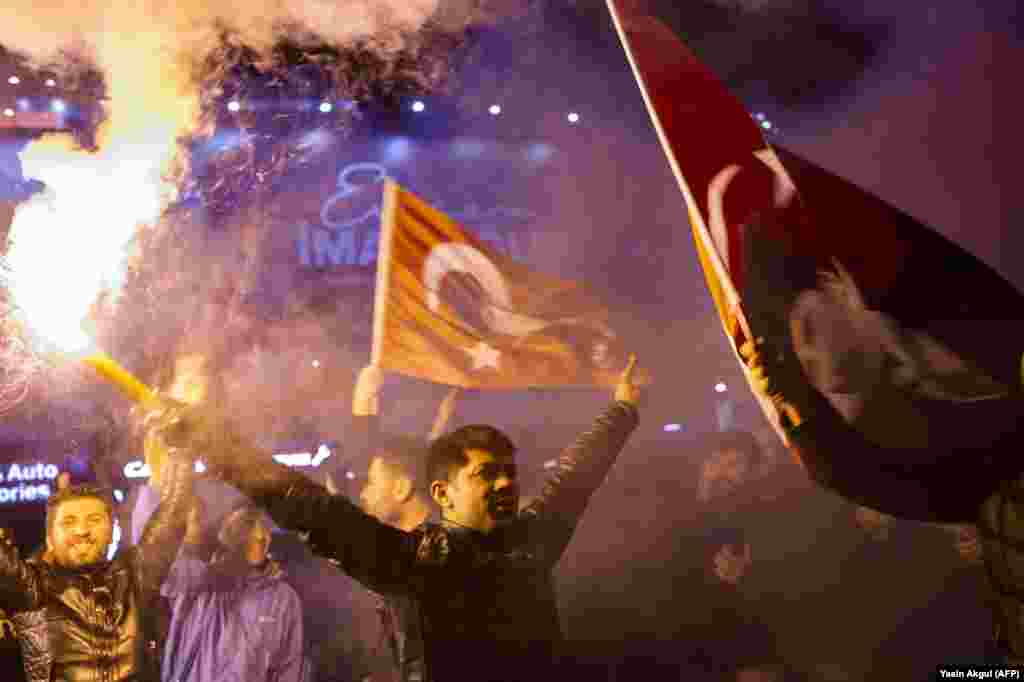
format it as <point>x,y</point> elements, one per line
<point>441,572</point>
<point>468,596</point>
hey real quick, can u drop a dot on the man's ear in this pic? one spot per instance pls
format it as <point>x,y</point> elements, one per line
<point>439,491</point>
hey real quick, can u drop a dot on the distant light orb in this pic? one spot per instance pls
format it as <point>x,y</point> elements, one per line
<point>58,106</point>
<point>13,80</point>
<point>119,496</point>
<point>8,112</point>
<point>720,387</point>
<point>326,107</point>
<point>672,428</point>
<point>759,116</point>
<point>573,117</point>
<point>350,475</point>
<point>767,125</point>
<point>234,106</point>
<point>418,106</point>
<point>50,83</point>
<point>539,152</point>
<point>495,110</point>
<point>316,363</point>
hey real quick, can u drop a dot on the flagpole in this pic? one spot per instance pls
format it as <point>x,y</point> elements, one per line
<point>700,227</point>
<point>387,232</point>
<point>694,208</point>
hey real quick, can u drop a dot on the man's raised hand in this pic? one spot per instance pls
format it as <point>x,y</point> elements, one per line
<point>628,390</point>
<point>367,391</point>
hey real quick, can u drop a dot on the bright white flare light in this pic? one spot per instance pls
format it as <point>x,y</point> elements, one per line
<point>495,110</point>
<point>326,107</point>
<point>68,243</point>
<point>316,363</point>
<point>573,117</point>
<point>672,428</point>
<point>58,106</point>
<point>13,80</point>
<point>720,387</point>
<point>50,83</point>
<point>418,106</point>
<point>8,112</point>
<point>234,106</point>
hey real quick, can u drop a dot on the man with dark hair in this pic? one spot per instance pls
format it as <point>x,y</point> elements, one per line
<point>80,616</point>
<point>235,618</point>
<point>482,578</point>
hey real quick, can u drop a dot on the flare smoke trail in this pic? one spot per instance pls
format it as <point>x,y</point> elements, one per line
<point>168,68</point>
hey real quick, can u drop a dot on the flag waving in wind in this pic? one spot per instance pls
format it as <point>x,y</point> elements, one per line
<point>896,326</point>
<point>451,310</point>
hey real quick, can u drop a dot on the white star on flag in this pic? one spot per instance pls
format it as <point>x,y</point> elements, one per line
<point>484,356</point>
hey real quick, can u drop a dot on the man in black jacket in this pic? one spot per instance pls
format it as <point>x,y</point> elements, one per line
<point>78,616</point>
<point>482,578</point>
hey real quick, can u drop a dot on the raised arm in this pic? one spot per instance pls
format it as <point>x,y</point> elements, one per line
<point>20,585</point>
<point>582,466</point>
<point>373,553</point>
<point>165,530</point>
<point>365,432</point>
<point>444,414</point>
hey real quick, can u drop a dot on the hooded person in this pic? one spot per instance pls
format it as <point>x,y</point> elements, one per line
<point>235,617</point>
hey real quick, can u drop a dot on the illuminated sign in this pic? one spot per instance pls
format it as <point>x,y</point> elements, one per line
<point>139,469</point>
<point>349,226</point>
<point>26,482</point>
<point>33,120</point>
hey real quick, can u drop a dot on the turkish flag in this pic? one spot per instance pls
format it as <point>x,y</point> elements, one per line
<point>451,310</point>
<point>890,321</point>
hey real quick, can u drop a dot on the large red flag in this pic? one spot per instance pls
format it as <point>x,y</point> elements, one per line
<point>450,309</point>
<point>890,321</point>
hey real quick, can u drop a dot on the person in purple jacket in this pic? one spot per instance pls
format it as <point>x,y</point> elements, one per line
<point>235,619</point>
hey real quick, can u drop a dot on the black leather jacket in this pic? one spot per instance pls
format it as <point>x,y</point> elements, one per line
<point>486,603</point>
<point>96,624</point>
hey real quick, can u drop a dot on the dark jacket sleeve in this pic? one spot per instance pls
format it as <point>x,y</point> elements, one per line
<point>945,482</point>
<point>581,469</point>
<point>165,530</point>
<point>375,554</point>
<point>20,582</point>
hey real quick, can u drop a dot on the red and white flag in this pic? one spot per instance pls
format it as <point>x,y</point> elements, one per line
<point>890,321</point>
<point>451,310</point>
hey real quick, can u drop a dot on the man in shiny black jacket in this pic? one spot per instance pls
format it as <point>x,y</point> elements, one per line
<point>482,578</point>
<point>79,616</point>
